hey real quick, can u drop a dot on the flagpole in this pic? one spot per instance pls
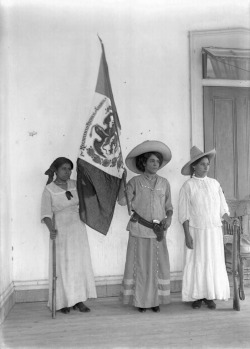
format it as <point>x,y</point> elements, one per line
<point>116,119</point>
<point>53,273</point>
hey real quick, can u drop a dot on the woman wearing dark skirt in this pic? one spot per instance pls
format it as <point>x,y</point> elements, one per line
<point>146,281</point>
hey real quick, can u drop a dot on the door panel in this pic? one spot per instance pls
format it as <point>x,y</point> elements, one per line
<point>243,143</point>
<point>223,136</point>
<point>226,128</point>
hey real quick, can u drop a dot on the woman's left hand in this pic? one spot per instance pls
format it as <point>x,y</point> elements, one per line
<point>166,222</point>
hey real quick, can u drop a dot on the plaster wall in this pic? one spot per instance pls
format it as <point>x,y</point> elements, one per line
<point>6,265</point>
<point>52,59</point>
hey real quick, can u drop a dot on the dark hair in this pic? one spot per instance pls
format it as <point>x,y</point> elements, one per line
<point>55,166</point>
<point>61,161</point>
<point>196,162</point>
<point>141,159</point>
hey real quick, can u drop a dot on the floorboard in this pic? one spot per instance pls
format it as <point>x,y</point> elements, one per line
<point>111,325</point>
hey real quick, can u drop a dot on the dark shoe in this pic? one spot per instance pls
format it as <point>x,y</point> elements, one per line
<point>142,310</point>
<point>197,304</point>
<point>65,310</point>
<point>156,309</point>
<point>82,307</point>
<point>210,303</point>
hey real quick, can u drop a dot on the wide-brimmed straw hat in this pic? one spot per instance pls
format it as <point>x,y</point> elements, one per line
<point>145,147</point>
<point>196,154</point>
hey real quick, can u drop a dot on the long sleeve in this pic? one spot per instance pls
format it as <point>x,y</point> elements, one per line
<point>183,205</point>
<point>168,202</point>
<point>223,204</point>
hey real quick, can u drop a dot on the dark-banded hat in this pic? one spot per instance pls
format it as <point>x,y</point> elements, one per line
<point>146,147</point>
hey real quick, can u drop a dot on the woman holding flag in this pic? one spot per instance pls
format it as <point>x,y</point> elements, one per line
<point>74,275</point>
<point>146,282</point>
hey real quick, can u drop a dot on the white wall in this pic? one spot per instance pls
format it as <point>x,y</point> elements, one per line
<point>6,276</point>
<point>53,58</point>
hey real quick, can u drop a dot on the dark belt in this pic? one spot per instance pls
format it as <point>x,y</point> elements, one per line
<point>156,227</point>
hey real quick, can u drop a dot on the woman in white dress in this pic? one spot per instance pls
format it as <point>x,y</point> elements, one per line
<point>202,207</point>
<point>75,278</point>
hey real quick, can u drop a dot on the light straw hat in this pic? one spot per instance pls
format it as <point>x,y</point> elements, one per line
<point>196,154</point>
<point>146,147</point>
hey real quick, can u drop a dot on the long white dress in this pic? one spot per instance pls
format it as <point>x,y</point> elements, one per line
<point>203,204</point>
<point>75,279</point>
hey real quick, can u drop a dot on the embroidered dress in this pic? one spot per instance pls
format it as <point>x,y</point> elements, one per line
<point>146,281</point>
<point>203,204</point>
<point>75,279</point>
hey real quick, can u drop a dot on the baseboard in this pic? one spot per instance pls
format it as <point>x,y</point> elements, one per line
<point>176,281</point>
<point>106,286</point>
<point>7,301</point>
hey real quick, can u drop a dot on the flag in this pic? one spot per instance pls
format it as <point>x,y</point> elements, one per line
<point>100,164</point>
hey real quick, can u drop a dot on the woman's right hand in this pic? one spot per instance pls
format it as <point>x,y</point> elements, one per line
<point>189,241</point>
<point>53,234</point>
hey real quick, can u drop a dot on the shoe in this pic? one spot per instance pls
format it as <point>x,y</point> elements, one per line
<point>65,310</point>
<point>142,310</point>
<point>82,307</point>
<point>197,304</point>
<point>156,309</point>
<point>210,303</point>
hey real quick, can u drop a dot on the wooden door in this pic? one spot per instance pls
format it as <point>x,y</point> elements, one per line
<point>227,129</point>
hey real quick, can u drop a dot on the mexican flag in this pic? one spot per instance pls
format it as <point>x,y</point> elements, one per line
<point>100,163</point>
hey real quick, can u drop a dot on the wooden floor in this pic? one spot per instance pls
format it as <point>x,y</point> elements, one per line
<point>111,325</point>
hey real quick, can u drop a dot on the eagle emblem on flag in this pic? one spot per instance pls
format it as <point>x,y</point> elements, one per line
<point>105,148</point>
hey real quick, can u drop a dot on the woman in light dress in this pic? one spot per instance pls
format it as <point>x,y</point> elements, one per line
<point>75,279</point>
<point>202,207</point>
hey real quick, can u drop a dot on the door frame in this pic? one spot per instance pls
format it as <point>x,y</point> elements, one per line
<point>234,37</point>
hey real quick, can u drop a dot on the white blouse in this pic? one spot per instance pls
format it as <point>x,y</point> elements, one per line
<point>202,203</point>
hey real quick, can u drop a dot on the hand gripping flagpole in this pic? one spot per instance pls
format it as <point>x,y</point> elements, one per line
<point>116,118</point>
